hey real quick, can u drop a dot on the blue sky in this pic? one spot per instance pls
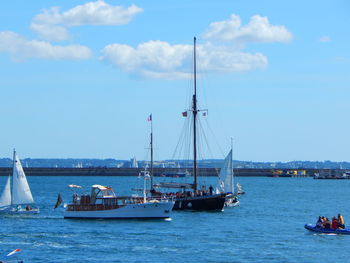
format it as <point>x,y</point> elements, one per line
<point>79,78</point>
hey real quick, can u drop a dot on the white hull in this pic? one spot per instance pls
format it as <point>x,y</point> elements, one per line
<point>129,211</point>
<point>231,200</point>
<point>230,204</point>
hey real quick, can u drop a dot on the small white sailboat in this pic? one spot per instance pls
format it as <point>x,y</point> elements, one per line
<point>226,184</point>
<point>5,198</point>
<point>20,199</point>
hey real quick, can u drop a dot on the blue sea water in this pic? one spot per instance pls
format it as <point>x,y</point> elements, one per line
<point>266,227</point>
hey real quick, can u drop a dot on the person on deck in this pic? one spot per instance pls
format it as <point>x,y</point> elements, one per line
<point>210,189</point>
<point>341,222</point>
<point>327,223</point>
<point>335,224</point>
<point>319,222</point>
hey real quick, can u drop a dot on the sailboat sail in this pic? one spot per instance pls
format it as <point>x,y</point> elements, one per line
<point>5,198</point>
<point>226,175</point>
<point>21,193</point>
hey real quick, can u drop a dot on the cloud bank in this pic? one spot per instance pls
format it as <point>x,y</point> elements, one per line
<point>52,24</point>
<point>22,49</point>
<point>223,51</point>
<point>258,29</point>
<point>157,59</point>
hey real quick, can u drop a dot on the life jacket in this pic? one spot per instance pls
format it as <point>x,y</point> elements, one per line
<point>334,223</point>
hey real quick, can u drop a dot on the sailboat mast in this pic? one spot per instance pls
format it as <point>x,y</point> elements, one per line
<point>232,173</point>
<point>151,144</point>
<point>195,111</point>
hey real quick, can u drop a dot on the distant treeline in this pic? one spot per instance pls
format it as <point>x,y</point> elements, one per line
<point>210,163</point>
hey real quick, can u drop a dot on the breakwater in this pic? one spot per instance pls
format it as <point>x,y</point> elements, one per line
<point>106,171</point>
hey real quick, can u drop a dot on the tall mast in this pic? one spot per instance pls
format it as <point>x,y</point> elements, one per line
<point>151,144</point>
<point>232,173</point>
<point>194,110</point>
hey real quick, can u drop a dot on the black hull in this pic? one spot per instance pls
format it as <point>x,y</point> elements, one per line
<point>200,203</point>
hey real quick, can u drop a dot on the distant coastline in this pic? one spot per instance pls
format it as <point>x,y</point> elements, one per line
<point>105,171</point>
<point>210,163</point>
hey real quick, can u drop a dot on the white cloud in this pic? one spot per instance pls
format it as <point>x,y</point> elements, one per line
<point>157,59</point>
<point>52,24</point>
<point>51,32</point>
<point>224,59</point>
<point>257,30</point>
<point>22,49</point>
<point>222,53</point>
<point>325,39</point>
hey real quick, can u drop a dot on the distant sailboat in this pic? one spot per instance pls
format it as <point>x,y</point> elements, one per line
<point>20,199</point>
<point>5,198</point>
<point>226,181</point>
<point>240,191</point>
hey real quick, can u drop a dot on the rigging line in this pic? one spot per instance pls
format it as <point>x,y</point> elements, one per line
<point>181,146</point>
<point>188,141</point>
<point>137,184</point>
<point>204,139</point>
<point>147,155</point>
<point>184,153</point>
<point>208,144</point>
<point>203,80</point>
<point>203,143</point>
<point>185,142</point>
<point>215,138</point>
<point>201,149</point>
<point>179,142</point>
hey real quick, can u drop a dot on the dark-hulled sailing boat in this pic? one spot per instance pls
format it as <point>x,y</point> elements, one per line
<point>192,198</point>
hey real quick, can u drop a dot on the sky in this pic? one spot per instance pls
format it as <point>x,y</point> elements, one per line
<point>78,79</point>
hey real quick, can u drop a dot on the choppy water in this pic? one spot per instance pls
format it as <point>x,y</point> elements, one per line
<point>266,227</point>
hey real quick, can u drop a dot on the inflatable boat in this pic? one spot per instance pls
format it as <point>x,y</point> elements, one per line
<point>318,229</point>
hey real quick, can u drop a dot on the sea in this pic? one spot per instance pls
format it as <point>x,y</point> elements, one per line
<point>267,226</point>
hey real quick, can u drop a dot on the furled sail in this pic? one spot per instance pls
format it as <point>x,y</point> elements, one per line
<point>226,175</point>
<point>5,198</point>
<point>21,193</point>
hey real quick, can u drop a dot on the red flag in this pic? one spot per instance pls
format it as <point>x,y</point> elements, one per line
<point>184,114</point>
<point>149,117</point>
